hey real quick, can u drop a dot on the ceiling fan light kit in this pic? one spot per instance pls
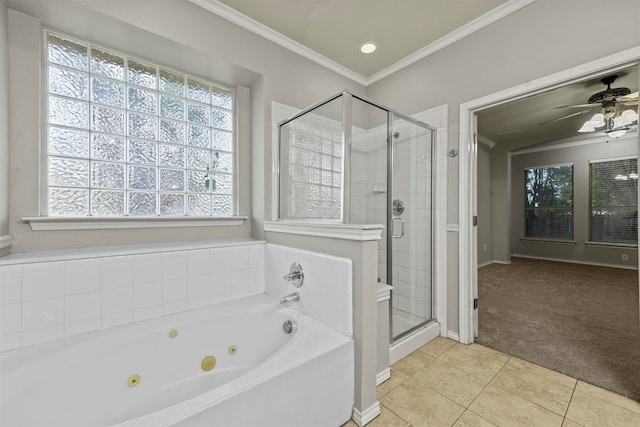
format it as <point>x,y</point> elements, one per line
<point>617,112</point>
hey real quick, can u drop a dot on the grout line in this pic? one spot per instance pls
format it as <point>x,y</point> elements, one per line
<point>575,386</point>
<point>489,382</point>
<point>390,410</point>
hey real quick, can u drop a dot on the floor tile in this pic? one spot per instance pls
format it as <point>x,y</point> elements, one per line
<point>413,363</point>
<point>479,364</point>
<point>569,423</point>
<point>489,352</point>
<point>437,346</point>
<point>589,410</point>
<point>422,406</point>
<point>469,419</point>
<point>541,372</point>
<point>525,382</point>
<point>451,382</point>
<point>502,407</point>
<point>608,396</point>
<point>387,419</point>
<point>397,377</point>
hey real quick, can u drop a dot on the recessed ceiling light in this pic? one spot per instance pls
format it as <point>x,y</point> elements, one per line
<point>368,47</point>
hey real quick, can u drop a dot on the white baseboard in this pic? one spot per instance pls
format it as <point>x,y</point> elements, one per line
<point>367,415</point>
<point>413,342</point>
<point>571,261</point>
<point>494,261</point>
<point>383,376</point>
<point>453,335</point>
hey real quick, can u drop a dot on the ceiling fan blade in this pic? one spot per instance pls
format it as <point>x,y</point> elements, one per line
<point>631,96</point>
<point>577,106</point>
<point>564,117</point>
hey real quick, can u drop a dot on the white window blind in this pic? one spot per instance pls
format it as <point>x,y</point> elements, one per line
<point>130,138</point>
<point>549,202</point>
<point>614,201</point>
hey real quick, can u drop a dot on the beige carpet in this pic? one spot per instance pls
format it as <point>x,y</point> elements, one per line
<point>576,319</point>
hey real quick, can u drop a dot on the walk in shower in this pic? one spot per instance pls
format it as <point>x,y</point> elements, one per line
<point>349,160</point>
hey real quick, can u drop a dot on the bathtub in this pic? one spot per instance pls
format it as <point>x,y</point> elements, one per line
<point>152,373</point>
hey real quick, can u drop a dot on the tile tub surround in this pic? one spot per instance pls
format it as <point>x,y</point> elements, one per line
<point>47,296</point>
<point>326,294</point>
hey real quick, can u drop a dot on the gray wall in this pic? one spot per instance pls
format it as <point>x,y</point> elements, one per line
<point>580,157</point>
<point>4,124</point>
<point>177,34</point>
<point>545,37</point>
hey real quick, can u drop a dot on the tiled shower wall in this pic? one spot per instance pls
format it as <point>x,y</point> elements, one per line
<point>56,296</point>
<point>412,264</point>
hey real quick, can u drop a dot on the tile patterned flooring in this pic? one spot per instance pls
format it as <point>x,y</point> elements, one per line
<point>449,384</point>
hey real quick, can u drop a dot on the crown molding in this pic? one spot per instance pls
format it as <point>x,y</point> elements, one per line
<point>232,15</point>
<point>479,23</point>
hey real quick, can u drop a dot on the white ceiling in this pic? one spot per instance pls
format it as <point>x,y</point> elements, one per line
<point>331,32</point>
<point>336,29</point>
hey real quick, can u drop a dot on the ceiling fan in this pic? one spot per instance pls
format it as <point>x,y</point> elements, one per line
<point>616,113</point>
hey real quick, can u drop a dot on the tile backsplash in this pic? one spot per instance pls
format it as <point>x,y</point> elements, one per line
<point>58,295</point>
<point>44,297</point>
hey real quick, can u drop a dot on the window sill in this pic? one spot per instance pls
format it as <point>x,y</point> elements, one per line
<point>45,223</point>
<point>614,245</point>
<point>543,240</point>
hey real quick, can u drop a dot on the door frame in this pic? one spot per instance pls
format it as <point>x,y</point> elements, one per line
<point>467,178</point>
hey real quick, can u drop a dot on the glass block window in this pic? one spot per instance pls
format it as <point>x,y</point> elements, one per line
<point>129,138</point>
<point>549,202</point>
<point>614,201</point>
<point>312,166</point>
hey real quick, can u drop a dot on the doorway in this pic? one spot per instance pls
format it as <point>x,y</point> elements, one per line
<point>468,263</point>
<point>470,152</point>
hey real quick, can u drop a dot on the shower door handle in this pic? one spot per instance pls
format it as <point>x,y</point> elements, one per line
<point>393,229</point>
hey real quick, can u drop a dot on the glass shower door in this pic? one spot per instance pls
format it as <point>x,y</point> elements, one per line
<point>410,225</point>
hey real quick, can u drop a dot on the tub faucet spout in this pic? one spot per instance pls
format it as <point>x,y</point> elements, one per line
<point>294,296</point>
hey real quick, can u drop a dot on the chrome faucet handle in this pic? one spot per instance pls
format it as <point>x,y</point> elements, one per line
<point>296,275</point>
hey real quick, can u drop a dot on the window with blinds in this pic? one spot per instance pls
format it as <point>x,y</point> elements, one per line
<point>548,211</point>
<point>614,201</point>
<point>129,138</point>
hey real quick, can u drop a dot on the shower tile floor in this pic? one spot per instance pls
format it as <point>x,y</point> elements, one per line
<point>449,384</point>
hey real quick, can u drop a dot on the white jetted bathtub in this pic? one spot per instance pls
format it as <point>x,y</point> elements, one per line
<point>226,365</point>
